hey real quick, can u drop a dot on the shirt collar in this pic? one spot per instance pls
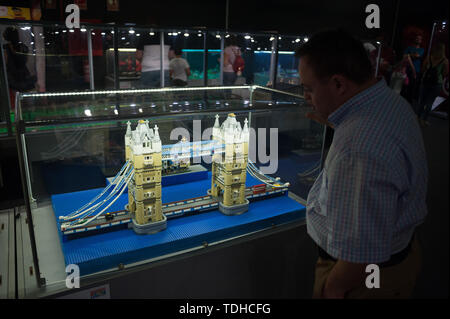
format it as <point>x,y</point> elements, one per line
<point>355,103</point>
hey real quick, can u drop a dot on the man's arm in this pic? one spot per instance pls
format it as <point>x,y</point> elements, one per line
<point>226,58</point>
<point>412,66</point>
<point>425,66</point>
<point>445,70</point>
<point>139,54</point>
<point>171,69</point>
<point>187,68</point>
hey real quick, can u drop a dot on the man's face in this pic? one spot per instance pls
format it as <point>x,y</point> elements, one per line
<point>418,39</point>
<point>320,93</point>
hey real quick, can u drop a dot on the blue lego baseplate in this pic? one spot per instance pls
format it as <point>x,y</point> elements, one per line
<point>109,250</point>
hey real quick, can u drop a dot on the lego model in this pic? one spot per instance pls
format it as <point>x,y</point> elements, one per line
<point>229,169</point>
<point>146,159</point>
<point>181,163</point>
<point>143,150</point>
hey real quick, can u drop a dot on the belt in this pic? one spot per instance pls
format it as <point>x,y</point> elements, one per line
<point>394,260</point>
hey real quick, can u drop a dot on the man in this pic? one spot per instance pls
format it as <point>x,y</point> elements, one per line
<point>365,204</point>
<point>179,69</point>
<point>148,53</point>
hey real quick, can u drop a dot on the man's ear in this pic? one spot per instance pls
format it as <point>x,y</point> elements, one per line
<point>340,83</point>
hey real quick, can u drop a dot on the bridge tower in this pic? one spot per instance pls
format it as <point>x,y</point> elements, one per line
<point>229,168</point>
<point>143,149</point>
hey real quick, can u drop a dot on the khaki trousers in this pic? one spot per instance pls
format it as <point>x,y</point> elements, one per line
<point>396,282</point>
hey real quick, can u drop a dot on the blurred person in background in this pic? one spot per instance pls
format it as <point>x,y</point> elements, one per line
<point>415,52</point>
<point>16,55</point>
<point>179,69</point>
<point>435,69</point>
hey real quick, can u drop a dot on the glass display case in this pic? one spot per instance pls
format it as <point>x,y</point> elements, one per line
<point>287,67</point>
<point>116,179</point>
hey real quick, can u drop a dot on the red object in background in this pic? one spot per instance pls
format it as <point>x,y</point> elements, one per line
<point>138,66</point>
<point>112,5</point>
<point>86,72</point>
<point>82,4</point>
<point>50,4</point>
<point>78,40</point>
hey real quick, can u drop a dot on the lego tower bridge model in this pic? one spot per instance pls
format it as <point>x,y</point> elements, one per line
<point>142,174</point>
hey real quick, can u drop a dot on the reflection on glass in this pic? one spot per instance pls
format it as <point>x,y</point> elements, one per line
<point>20,61</point>
<point>287,69</point>
<point>186,69</point>
<point>213,43</point>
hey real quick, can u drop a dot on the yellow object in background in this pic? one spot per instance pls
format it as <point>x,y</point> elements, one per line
<point>16,13</point>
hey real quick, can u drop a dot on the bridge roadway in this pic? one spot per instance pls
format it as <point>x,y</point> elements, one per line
<point>171,210</point>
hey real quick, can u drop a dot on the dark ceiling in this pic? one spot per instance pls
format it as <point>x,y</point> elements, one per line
<point>285,16</point>
<point>293,17</point>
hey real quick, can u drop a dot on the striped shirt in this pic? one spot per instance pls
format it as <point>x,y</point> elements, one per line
<point>370,195</point>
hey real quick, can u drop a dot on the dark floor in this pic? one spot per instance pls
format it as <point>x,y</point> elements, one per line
<point>433,234</point>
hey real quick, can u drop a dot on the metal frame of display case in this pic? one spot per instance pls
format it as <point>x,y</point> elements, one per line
<point>21,125</point>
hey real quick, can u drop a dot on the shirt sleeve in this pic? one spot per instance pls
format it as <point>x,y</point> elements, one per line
<point>186,64</point>
<point>361,206</point>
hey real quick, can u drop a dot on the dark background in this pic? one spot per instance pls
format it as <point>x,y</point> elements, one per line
<point>284,16</point>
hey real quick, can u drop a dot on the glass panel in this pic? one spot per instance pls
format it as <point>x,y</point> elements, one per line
<point>214,52</point>
<point>108,40</point>
<point>287,70</point>
<point>131,45</point>
<point>66,57</point>
<point>103,57</point>
<point>3,129</point>
<point>434,103</point>
<point>75,145</point>
<point>83,160</point>
<point>190,45</point>
<point>234,44</point>
<point>288,144</point>
<point>257,54</point>
<point>20,60</point>
<point>64,107</point>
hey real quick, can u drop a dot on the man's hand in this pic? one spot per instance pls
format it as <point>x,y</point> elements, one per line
<point>343,277</point>
<point>318,118</point>
<point>329,292</point>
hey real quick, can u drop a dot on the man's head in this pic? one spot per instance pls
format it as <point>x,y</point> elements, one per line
<point>333,67</point>
<point>418,39</point>
<point>11,35</point>
<point>178,52</point>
